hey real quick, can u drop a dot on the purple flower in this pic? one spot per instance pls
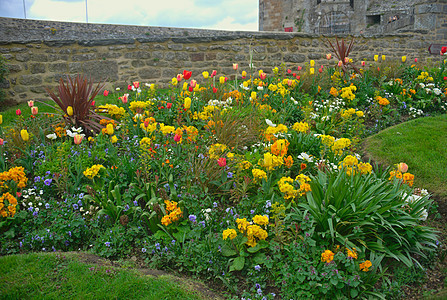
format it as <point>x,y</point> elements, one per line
<point>37,179</point>
<point>252,211</point>
<point>75,206</point>
<point>214,204</point>
<point>107,244</point>
<point>229,175</point>
<point>257,267</point>
<point>135,203</point>
<point>192,218</point>
<point>143,250</point>
<point>157,246</point>
<point>69,233</point>
<point>173,242</point>
<point>35,213</point>
<point>47,206</point>
<point>47,182</point>
<point>202,223</point>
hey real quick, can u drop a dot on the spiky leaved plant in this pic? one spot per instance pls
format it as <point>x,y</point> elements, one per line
<point>341,50</point>
<point>75,98</point>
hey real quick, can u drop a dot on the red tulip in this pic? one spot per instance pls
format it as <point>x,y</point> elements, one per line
<point>263,76</point>
<point>177,138</point>
<point>214,90</point>
<point>146,123</point>
<point>214,73</point>
<point>289,71</point>
<point>168,105</point>
<point>93,103</point>
<point>298,77</point>
<point>445,77</point>
<point>299,68</point>
<point>187,74</point>
<point>415,60</point>
<point>294,74</point>
<point>443,49</point>
<point>106,93</point>
<point>129,87</point>
<point>190,89</point>
<point>18,112</point>
<point>136,84</point>
<point>1,142</point>
<point>320,70</point>
<point>124,98</point>
<point>363,63</point>
<point>222,161</point>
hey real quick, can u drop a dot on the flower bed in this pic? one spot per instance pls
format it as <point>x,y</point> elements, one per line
<point>253,182</point>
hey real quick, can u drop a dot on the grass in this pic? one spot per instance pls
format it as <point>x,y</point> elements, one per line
<point>420,143</point>
<point>64,276</point>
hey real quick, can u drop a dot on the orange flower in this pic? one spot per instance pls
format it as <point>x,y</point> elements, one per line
<point>365,266</point>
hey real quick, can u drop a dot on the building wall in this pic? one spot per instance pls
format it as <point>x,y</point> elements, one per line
<point>365,16</point>
<point>39,53</point>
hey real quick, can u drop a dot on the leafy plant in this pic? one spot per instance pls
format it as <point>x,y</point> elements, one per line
<point>342,50</point>
<point>75,99</point>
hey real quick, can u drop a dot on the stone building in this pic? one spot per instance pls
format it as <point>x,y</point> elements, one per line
<point>354,16</point>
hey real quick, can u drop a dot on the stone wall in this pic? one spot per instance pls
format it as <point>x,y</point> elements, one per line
<point>39,53</point>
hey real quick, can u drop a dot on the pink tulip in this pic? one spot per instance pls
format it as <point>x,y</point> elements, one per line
<point>77,139</point>
<point>129,87</point>
<point>214,73</point>
<point>402,167</point>
<point>193,83</point>
<point>222,161</point>
<point>340,63</point>
<point>263,76</point>
<point>363,63</point>
<point>34,110</point>
<point>177,138</point>
<point>1,142</point>
<point>289,71</point>
<point>328,56</point>
<point>235,66</point>
<point>299,68</point>
<point>415,60</point>
<point>18,112</point>
<point>289,82</point>
<point>106,93</point>
<point>31,103</point>
<point>124,98</point>
<point>346,60</point>
<point>136,84</point>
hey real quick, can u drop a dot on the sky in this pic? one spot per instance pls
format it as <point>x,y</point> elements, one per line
<point>206,14</point>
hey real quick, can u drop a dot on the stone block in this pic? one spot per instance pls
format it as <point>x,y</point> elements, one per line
<point>75,67</point>
<point>175,47</point>
<point>22,57</point>
<point>138,55</point>
<point>294,58</point>
<point>30,79</point>
<point>101,70</point>
<point>138,63</point>
<point>197,56</point>
<point>181,56</point>
<point>84,57</point>
<point>210,56</point>
<point>149,73</point>
<point>37,68</point>
<point>13,68</point>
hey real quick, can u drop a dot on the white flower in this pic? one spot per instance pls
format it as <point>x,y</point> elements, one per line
<point>76,130</point>
<point>36,209</point>
<point>138,116</point>
<point>306,157</point>
<point>229,100</point>
<point>424,215</point>
<point>51,136</point>
<point>30,204</point>
<point>260,88</point>
<point>117,88</point>
<point>270,123</point>
<point>437,91</point>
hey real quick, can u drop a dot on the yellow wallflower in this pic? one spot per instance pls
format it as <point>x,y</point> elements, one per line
<point>327,256</point>
<point>261,220</point>
<point>364,266</point>
<point>229,233</point>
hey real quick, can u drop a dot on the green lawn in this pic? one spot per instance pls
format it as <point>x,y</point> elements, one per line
<point>420,143</point>
<point>63,276</point>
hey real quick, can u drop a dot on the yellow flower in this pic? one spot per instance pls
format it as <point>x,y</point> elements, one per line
<point>205,74</point>
<point>114,139</point>
<point>311,71</point>
<point>352,253</point>
<point>244,74</point>
<point>365,266</point>
<point>359,113</point>
<point>166,220</point>
<point>327,256</point>
<point>187,102</point>
<point>1,119</point>
<point>312,63</point>
<point>109,129</point>
<point>301,127</point>
<point>69,110</point>
<point>221,80</point>
<point>92,171</point>
<point>24,134</point>
<point>185,86</point>
<point>280,147</point>
<point>229,233</point>
<point>174,81</point>
<point>376,57</point>
<point>350,160</point>
<point>383,57</point>
<point>404,58</point>
<point>253,95</point>
<point>261,220</point>
<point>258,175</point>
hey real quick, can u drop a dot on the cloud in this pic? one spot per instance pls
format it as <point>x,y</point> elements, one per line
<point>228,14</point>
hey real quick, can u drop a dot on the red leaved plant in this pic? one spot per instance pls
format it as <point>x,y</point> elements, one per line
<point>341,50</point>
<point>79,94</point>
